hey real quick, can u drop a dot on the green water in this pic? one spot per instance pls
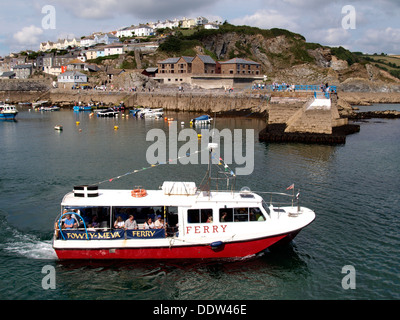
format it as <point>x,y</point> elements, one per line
<point>353,188</point>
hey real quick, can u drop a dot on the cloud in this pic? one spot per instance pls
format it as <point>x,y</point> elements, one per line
<point>149,9</point>
<point>267,19</point>
<point>381,40</point>
<point>28,35</point>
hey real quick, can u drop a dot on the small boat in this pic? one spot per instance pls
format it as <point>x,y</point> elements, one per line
<point>154,113</point>
<point>58,127</point>
<point>52,108</point>
<point>8,112</point>
<point>198,223</point>
<point>107,113</point>
<point>83,108</point>
<point>120,107</point>
<point>37,104</point>
<point>148,113</point>
<point>134,111</point>
<point>205,119</point>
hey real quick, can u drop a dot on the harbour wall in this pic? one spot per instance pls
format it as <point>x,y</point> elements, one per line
<point>205,102</point>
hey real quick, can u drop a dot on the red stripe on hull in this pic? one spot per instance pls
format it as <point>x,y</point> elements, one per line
<point>227,250</point>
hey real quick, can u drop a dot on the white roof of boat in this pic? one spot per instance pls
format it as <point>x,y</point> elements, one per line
<point>111,197</point>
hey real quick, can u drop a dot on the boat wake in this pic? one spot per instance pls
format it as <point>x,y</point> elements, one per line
<point>17,243</point>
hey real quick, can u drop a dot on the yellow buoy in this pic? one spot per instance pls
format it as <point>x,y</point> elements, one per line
<point>115,127</point>
<point>77,123</point>
<point>199,135</point>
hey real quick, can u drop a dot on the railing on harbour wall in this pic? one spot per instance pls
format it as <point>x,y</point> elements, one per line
<point>294,88</point>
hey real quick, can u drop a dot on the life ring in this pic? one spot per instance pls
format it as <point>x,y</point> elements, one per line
<point>138,193</point>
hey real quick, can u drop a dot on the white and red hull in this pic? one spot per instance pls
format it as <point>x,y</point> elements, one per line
<point>227,250</point>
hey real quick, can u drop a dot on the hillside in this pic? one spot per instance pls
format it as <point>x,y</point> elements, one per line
<point>284,56</point>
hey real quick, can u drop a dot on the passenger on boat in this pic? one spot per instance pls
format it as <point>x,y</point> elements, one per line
<point>130,223</point>
<point>119,223</point>
<point>223,216</point>
<point>148,224</point>
<point>95,223</point>
<point>159,224</point>
<point>70,222</point>
<point>209,219</point>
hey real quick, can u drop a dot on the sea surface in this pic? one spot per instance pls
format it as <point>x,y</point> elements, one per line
<point>353,188</point>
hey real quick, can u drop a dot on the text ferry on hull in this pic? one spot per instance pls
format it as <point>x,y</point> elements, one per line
<point>191,222</point>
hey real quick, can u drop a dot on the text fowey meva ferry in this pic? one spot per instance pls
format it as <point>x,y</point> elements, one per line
<point>200,224</point>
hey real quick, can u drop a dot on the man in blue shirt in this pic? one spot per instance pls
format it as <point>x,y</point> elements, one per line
<point>69,223</point>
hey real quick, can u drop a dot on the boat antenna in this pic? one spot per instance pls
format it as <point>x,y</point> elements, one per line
<point>205,184</point>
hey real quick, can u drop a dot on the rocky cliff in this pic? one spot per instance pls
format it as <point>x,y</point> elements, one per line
<point>288,57</point>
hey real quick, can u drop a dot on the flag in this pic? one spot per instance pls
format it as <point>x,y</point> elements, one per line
<point>290,187</point>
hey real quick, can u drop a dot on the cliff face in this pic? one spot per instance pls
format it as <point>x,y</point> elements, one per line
<point>285,56</point>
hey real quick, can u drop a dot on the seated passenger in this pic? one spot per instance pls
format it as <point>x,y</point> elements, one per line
<point>159,224</point>
<point>119,223</point>
<point>223,216</point>
<point>130,223</point>
<point>210,218</point>
<point>95,223</point>
<point>148,224</point>
<point>70,222</point>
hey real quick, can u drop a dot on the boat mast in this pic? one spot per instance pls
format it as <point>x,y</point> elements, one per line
<point>205,184</point>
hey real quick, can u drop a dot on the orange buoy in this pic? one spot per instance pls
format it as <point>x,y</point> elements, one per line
<point>139,193</point>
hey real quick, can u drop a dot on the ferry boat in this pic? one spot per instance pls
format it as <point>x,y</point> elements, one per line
<point>8,112</point>
<point>195,223</point>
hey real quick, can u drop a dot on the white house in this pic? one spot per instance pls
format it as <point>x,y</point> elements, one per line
<point>188,23</point>
<point>126,32</point>
<point>72,77</point>
<point>143,31</point>
<point>88,41</point>
<point>213,26</point>
<point>113,49</point>
<point>54,71</point>
<point>200,21</point>
<point>106,38</point>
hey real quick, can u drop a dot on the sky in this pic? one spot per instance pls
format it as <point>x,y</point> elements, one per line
<point>358,25</point>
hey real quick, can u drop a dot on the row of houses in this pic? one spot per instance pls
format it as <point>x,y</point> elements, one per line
<point>145,30</point>
<point>204,64</point>
<point>94,39</point>
<point>142,30</point>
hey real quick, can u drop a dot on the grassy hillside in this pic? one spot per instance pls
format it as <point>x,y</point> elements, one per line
<point>385,62</point>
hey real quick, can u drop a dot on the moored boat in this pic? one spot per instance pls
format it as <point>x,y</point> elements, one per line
<point>52,108</point>
<point>194,223</point>
<point>83,108</point>
<point>110,112</point>
<point>204,119</point>
<point>8,112</point>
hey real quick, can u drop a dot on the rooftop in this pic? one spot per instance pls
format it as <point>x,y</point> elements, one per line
<point>240,61</point>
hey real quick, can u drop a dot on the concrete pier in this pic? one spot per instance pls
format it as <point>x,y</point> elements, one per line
<point>317,121</point>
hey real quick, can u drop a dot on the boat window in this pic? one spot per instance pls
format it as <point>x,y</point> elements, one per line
<point>265,206</point>
<point>93,216</point>
<point>199,215</point>
<point>243,214</point>
<point>141,214</point>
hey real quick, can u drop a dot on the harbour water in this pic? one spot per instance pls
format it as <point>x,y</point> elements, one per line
<point>353,188</point>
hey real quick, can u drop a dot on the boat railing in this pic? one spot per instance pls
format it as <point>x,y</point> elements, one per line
<point>113,234</point>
